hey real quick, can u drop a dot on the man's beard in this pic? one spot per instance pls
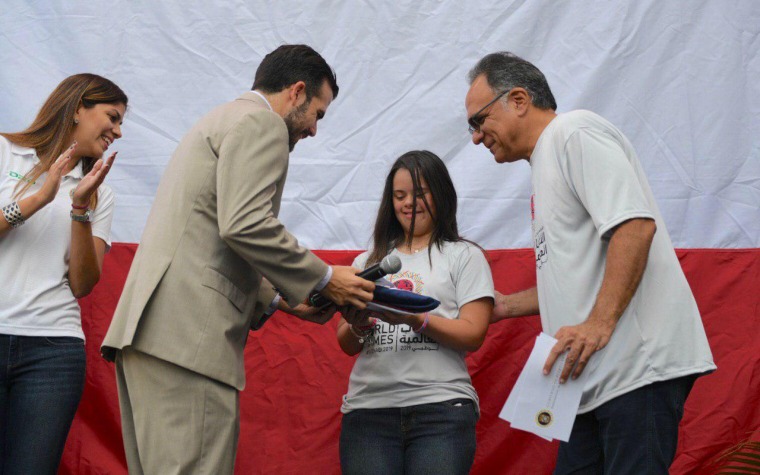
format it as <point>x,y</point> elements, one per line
<point>294,122</point>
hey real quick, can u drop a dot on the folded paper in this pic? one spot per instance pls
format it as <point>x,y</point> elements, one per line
<point>538,403</point>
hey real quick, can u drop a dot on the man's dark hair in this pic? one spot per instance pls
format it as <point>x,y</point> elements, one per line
<point>289,64</point>
<point>504,71</point>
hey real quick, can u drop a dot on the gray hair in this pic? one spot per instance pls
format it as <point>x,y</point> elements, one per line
<point>504,71</point>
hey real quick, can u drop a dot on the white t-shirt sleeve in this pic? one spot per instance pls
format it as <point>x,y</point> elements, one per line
<point>5,158</point>
<point>360,262</point>
<point>597,170</point>
<point>103,215</point>
<point>472,276</point>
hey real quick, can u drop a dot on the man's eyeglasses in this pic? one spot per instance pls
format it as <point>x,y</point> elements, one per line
<point>477,119</point>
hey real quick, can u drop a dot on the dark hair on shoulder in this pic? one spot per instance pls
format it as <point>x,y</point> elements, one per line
<point>388,233</point>
<point>289,64</point>
<point>504,71</point>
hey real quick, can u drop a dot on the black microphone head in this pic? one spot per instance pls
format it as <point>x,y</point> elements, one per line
<point>390,264</point>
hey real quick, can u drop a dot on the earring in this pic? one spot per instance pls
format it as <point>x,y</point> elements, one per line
<point>76,121</point>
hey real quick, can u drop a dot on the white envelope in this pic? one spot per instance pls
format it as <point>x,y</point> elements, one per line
<point>538,403</point>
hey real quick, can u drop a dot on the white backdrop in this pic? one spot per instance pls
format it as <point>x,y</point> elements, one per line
<point>680,78</point>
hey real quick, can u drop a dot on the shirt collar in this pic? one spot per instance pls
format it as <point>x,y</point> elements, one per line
<point>76,172</point>
<point>264,98</point>
<point>23,151</point>
<point>30,154</point>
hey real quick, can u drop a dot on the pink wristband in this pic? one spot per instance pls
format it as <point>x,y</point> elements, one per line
<point>424,324</point>
<point>80,207</point>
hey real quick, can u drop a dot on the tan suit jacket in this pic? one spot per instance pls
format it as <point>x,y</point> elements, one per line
<point>193,290</point>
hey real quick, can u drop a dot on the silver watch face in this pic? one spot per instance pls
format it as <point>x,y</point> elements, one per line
<point>82,218</point>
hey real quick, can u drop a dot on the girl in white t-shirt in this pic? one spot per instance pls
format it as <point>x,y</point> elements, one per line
<point>54,230</point>
<point>410,406</point>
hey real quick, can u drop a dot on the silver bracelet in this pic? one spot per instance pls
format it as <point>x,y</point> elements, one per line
<point>12,214</point>
<point>361,336</point>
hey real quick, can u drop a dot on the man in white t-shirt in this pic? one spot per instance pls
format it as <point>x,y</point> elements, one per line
<point>609,284</point>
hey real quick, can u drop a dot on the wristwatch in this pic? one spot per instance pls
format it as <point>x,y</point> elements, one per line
<point>81,218</point>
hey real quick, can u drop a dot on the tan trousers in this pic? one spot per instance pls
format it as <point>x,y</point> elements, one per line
<point>175,421</point>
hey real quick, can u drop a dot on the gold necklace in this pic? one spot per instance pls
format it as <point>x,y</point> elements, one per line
<point>413,250</point>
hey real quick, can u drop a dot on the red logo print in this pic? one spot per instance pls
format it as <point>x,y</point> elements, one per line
<point>404,284</point>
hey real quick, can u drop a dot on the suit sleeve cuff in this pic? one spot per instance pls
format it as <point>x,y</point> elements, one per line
<point>323,283</point>
<point>273,305</point>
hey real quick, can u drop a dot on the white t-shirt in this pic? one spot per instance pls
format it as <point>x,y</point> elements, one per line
<point>399,368</point>
<point>35,297</point>
<point>587,180</point>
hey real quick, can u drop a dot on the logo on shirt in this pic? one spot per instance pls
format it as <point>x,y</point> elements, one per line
<point>404,284</point>
<point>541,249</point>
<point>17,176</point>
<point>397,339</point>
<point>400,338</point>
<point>407,280</point>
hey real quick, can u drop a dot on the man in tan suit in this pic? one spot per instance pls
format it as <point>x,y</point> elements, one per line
<point>200,277</point>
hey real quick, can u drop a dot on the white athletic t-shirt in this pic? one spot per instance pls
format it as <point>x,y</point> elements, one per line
<point>587,180</point>
<point>35,297</point>
<point>399,368</point>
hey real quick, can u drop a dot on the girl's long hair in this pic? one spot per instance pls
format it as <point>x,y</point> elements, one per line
<point>388,232</point>
<point>51,131</point>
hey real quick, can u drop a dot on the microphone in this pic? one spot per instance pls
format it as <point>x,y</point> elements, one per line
<point>389,265</point>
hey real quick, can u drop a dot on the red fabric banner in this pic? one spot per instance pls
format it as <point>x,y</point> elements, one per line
<point>290,419</point>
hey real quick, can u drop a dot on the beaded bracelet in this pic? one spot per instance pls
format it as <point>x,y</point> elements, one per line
<point>12,214</point>
<point>424,324</point>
